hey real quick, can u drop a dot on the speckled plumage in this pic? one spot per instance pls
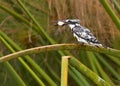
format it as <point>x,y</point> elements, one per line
<point>82,34</point>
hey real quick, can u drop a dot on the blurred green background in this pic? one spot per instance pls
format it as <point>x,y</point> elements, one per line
<point>30,23</point>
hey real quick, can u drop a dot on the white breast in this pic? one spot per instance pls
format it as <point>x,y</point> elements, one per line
<point>80,39</point>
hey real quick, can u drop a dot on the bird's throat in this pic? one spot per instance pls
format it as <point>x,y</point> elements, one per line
<point>71,26</point>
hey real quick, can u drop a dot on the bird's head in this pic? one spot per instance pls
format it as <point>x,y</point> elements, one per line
<point>68,22</point>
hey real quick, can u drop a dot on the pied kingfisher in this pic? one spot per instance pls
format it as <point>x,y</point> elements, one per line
<point>82,34</point>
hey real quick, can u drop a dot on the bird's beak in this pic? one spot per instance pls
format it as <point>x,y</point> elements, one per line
<point>60,23</point>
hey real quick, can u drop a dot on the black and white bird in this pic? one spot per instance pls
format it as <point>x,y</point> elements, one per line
<point>82,34</point>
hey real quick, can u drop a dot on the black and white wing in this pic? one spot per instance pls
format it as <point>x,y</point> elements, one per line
<point>84,35</point>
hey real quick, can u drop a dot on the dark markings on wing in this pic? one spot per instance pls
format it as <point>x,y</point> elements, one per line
<point>85,33</point>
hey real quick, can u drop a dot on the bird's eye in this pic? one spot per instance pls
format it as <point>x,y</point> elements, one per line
<point>69,21</point>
